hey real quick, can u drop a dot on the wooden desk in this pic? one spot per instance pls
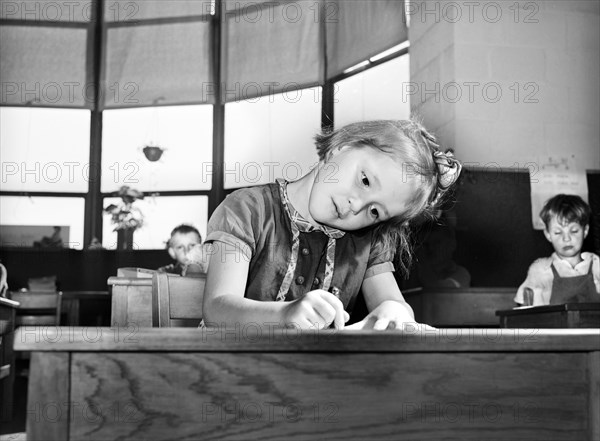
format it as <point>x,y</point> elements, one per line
<point>7,362</point>
<point>568,315</point>
<point>131,303</point>
<point>460,306</point>
<point>178,383</point>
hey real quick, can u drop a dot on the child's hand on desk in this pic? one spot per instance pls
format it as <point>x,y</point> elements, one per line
<point>389,315</point>
<point>196,254</point>
<point>317,309</point>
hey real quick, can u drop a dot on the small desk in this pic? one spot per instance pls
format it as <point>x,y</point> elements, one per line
<point>131,301</point>
<point>7,362</point>
<point>181,383</point>
<point>568,315</point>
<point>459,307</point>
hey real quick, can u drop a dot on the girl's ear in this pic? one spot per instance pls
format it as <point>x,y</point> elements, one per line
<point>586,230</point>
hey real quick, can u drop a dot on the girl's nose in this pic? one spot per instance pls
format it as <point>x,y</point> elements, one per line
<point>355,204</point>
<point>567,238</point>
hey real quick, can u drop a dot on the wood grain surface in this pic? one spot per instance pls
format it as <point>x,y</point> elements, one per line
<point>48,396</point>
<point>299,396</point>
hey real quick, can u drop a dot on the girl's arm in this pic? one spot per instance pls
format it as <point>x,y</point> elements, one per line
<point>385,303</point>
<point>225,304</point>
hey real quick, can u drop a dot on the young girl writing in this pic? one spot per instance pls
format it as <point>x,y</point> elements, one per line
<point>298,253</point>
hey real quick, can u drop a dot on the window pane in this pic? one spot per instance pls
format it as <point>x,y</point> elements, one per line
<point>271,137</point>
<point>44,65</point>
<point>45,149</point>
<point>373,94</point>
<point>49,211</point>
<point>270,48</point>
<point>47,10</point>
<point>185,134</point>
<point>170,62</point>
<point>132,11</point>
<point>161,215</point>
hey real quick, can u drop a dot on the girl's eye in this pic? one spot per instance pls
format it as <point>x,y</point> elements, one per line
<point>373,211</point>
<point>364,179</point>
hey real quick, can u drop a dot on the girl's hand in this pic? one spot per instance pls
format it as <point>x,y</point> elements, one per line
<point>317,309</point>
<point>390,315</point>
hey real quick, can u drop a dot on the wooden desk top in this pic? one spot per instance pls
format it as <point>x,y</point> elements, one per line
<point>129,281</point>
<point>8,303</point>
<point>85,295</point>
<point>550,308</point>
<point>251,339</point>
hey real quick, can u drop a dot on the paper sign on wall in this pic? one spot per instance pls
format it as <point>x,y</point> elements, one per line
<point>555,175</point>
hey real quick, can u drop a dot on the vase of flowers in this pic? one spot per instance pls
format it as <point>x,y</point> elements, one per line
<point>126,217</point>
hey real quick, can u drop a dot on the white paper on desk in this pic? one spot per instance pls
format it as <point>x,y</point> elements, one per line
<point>554,175</point>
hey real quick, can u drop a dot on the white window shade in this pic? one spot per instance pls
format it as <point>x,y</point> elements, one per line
<point>270,47</point>
<point>165,63</point>
<point>44,66</point>
<point>132,11</point>
<point>160,51</point>
<point>360,29</point>
<point>79,11</point>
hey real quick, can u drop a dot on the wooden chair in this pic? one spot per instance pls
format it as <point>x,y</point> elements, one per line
<point>41,308</point>
<point>176,300</point>
<point>38,308</point>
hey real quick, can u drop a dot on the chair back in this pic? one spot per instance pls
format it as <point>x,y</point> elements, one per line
<point>177,300</point>
<point>38,308</point>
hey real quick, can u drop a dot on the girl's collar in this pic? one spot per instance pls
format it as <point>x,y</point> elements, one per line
<point>299,221</point>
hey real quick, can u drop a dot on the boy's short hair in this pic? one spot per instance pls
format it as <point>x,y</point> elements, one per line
<point>566,208</point>
<point>184,229</point>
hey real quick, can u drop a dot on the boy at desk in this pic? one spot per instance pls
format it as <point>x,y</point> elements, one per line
<point>568,275</point>
<point>185,248</point>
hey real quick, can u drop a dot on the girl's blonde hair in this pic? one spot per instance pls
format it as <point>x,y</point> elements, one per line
<point>409,143</point>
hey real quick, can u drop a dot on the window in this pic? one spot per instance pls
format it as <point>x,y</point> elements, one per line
<point>154,91</point>
<point>185,134</point>
<point>48,211</point>
<point>161,215</point>
<point>271,137</point>
<point>376,93</point>
<point>45,150</point>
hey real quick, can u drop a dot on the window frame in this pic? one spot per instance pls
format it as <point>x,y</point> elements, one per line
<point>96,46</point>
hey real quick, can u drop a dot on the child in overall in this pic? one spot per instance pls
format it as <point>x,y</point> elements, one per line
<point>298,253</point>
<point>185,248</point>
<point>568,275</point>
